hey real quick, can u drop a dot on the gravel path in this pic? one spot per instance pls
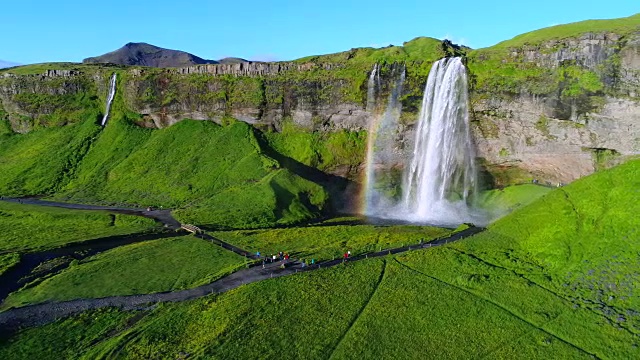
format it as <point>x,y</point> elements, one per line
<point>40,314</point>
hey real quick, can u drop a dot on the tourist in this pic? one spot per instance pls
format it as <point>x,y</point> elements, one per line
<point>274,258</point>
<point>313,261</point>
<point>349,253</point>
<point>344,257</point>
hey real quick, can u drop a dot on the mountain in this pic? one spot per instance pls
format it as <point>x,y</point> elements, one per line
<point>7,64</point>
<point>149,55</point>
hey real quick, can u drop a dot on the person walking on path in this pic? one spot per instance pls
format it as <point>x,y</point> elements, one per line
<point>344,257</point>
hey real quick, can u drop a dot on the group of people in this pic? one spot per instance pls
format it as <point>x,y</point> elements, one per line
<point>283,257</point>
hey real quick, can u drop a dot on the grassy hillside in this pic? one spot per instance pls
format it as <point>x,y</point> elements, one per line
<point>147,267</point>
<point>30,227</point>
<point>41,162</point>
<point>326,151</point>
<point>211,174</point>
<point>621,26</point>
<point>581,240</point>
<point>556,279</point>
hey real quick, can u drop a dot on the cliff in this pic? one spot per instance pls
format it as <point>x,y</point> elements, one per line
<point>554,105</point>
<point>560,102</point>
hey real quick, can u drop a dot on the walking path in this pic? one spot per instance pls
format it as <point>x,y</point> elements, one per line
<point>34,315</point>
<point>162,216</point>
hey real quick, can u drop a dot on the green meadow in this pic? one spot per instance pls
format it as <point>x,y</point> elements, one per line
<point>153,266</point>
<point>555,279</point>
<point>35,228</point>
<point>327,241</point>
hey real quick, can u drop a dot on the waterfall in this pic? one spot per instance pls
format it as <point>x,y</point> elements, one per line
<point>381,142</point>
<point>440,177</point>
<point>112,94</point>
<point>371,89</point>
<point>442,174</point>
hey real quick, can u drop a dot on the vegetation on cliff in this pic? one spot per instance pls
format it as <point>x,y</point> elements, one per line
<point>621,26</point>
<point>520,65</point>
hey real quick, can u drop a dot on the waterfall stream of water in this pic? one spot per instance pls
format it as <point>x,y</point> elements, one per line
<point>112,94</point>
<point>441,176</point>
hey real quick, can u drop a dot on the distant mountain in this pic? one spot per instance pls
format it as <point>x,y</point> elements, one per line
<point>7,64</point>
<point>149,55</point>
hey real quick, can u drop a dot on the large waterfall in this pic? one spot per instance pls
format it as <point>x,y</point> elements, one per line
<point>442,174</point>
<point>112,94</point>
<point>440,177</point>
<point>381,142</point>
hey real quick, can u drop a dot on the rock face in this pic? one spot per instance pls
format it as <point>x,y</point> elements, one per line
<point>559,139</point>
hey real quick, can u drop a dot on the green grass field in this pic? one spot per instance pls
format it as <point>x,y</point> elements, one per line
<point>499,202</point>
<point>555,279</point>
<point>7,261</point>
<point>147,267</point>
<point>325,242</point>
<point>32,228</point>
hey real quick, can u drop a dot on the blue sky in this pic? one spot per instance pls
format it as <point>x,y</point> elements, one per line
<point>41,31</point>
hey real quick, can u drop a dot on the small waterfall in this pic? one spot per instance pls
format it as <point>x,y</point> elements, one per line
<point>112,94</point>
<point>442,174</point>
<point>381,141</point>
<point>371,89</point>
